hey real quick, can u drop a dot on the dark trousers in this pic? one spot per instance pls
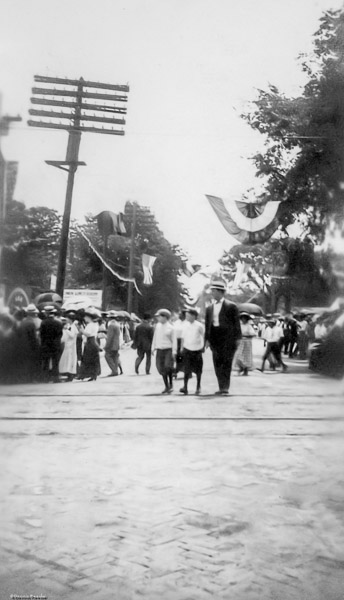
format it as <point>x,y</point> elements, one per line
<point>223,354</point>
<point>112,359</point>
<point>223,367</point>
<point>274,349</point>
<point>53,355</point>
<point>140,356</point>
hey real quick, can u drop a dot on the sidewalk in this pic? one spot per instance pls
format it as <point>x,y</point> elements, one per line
<point>112,491</point>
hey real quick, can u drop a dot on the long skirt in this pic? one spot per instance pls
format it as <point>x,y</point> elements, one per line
<point>90,363</point>
<point>243,359</point>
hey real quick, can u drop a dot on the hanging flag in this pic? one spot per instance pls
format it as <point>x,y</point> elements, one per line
<point>240,265</point>
<point>248,223</point>
<point>110,223</point>
<point>127,279</point>
<point>147,265</point>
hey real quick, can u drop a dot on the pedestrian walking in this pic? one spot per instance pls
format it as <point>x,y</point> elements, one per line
<point>143,338</point>
<point>222,333</point>
<point>302,337</point>
<point>243,357</point>
<point>113,343</point>
<point>273,336</point>
<point>90,363</point>
<point>69,361</point>
<point>192,348</point>
<point>51,335</point>
<point>178,328</point>
<point>29,347</point>
<point>9,368</point>
<point>164,343</point>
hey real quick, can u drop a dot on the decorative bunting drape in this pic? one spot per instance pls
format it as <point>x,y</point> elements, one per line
<point>126,279</point>
<point>147,265</point>
<point>248,223</point>
<point>110,223</point>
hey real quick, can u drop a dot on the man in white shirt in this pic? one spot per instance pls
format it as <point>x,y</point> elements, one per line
<point>164,343</point>
<point>273,335</point>
<point>192,347</point>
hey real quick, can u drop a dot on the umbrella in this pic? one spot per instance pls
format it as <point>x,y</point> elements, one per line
<point>124,314</point>
<point>48,298</point>
<point>252,309</point>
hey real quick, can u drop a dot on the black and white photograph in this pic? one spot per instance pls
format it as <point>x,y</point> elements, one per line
<point>172,300</point>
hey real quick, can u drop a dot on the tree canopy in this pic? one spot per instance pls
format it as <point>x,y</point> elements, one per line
<point>303,160</point>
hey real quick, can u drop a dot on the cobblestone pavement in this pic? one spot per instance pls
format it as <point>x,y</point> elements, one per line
<point>112,491</point>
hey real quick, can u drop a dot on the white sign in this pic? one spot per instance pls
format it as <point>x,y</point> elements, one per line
<point>94,295</point>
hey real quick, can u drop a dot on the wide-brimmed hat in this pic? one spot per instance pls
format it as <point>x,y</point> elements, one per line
<point>245,314</point>
<point>218,284</point>
<point>163,312</point>
<point>92,312</point>
<point>50,309</point>
<point>31,308</point>
<point>70,314</point>
<point>192,310</point>
<point>112,314</point>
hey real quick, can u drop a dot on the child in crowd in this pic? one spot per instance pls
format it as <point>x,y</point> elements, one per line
<point>164,342</point>
<point>192,347</point>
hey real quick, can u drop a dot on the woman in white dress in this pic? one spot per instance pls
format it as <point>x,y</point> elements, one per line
<point>68,361</point>
<point>90,363</point>
<point>244,360</point>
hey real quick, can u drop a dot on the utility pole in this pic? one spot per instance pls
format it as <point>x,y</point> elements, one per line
<point>131,260</point>
<point>87,102</point>
<point>5,122</point>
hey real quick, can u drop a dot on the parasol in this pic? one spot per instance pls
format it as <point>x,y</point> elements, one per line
<point>252,309</point>
<point>48,299</point>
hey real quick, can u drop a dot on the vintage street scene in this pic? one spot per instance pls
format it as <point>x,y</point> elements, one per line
<point>172,300</point>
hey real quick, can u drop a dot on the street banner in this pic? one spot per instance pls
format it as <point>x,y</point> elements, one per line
<point>106,265</point>
<point>94,295</point>
<point>247,222</point>
<point>147,265</point>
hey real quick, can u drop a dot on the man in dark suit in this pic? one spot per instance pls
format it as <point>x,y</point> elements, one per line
<point>143,337</point>
<point>113,343</point>
<point>222,333</point>
<point>51,334</point>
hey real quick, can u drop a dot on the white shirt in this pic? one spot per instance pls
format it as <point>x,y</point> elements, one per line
<point>164,337</point>
<point>273,334</point>
<point>178,327</point>
<point>216,311</point>
<point>193,336</point>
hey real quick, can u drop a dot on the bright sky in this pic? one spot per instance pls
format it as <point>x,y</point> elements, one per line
<point>191,66</point>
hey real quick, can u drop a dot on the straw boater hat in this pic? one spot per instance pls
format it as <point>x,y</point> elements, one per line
<point>218,284</point>
<point>163,312</point>
<point>32,309</point>
<point>112,314</point>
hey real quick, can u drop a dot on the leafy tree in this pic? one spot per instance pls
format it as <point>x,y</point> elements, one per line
<point>85,268</point>
<point>285,267</point>
<point>31,239</point>
<point>303,160</point>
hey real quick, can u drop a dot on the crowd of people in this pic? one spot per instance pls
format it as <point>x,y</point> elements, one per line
<point>54,346</point>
